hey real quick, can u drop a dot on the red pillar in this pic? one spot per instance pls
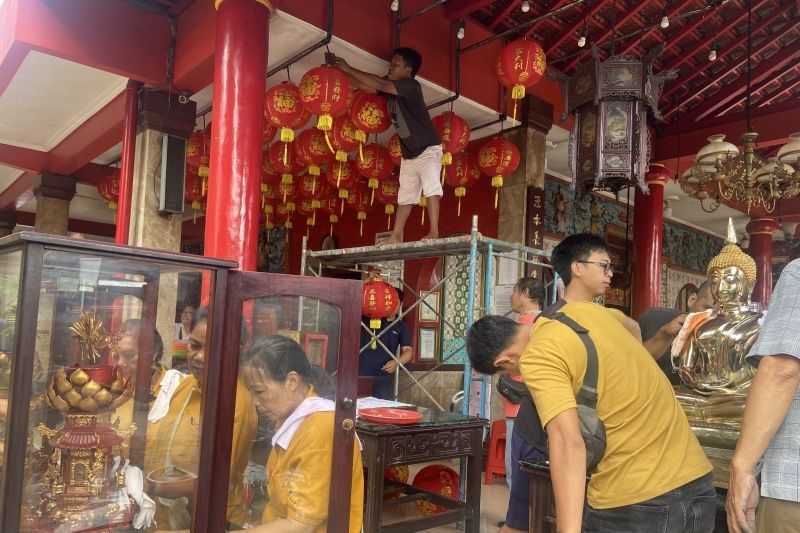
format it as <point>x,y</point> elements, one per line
<point>240,60</point>
<point>126,162</point>
<point>648,227</point>
<point>760,248</point>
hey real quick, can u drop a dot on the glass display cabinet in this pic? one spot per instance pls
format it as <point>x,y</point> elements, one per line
<point>102,426</point>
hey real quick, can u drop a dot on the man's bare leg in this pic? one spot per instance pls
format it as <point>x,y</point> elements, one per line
<point>433,217</point>
<point>403,212</point>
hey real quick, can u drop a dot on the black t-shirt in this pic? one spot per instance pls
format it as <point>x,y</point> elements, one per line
<point>371,360</point>
<point>650,322</point>
<point>410,118</point>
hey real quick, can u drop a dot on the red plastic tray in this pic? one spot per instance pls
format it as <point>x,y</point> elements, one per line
<point>389,415</point>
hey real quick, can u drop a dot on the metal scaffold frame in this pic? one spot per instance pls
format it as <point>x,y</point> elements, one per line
<point>468,248</point>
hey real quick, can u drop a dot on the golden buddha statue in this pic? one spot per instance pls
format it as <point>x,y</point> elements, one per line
<point>709,355</point>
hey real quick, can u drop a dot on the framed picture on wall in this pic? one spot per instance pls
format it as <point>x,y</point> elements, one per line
<point>426,313</point>
<point>428,343</point>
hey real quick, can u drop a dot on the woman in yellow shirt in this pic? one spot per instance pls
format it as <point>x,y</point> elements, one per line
<point>284,388</point>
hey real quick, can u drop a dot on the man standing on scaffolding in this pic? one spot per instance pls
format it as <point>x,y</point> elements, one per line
<point>419,141</point>
<point>375,361</point>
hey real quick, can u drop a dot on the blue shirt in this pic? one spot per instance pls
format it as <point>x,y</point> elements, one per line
<point>371,361</point>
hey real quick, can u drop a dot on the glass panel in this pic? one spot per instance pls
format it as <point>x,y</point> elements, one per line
<point>286,371</point>
<point>10,265</point>
<point>117,423</point>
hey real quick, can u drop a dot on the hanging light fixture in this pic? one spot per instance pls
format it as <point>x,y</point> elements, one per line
<point>721,172</point>
<point>526,6</point>
<point>664,22</point>
<point>395,5</point>
<point>460,32</point>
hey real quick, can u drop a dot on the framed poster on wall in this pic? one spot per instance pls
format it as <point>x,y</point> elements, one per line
<point>428,344</point>
<point>429,312</point>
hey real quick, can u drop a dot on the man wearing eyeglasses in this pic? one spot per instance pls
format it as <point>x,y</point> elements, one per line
<point>654,475</point>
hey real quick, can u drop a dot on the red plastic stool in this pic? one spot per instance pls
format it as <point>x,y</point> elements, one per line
<point>496,462</point>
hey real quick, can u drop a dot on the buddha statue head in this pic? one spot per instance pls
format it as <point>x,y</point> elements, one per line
<point>731,274</point>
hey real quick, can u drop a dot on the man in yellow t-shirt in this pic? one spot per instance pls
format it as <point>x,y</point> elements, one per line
<point>654,475</point>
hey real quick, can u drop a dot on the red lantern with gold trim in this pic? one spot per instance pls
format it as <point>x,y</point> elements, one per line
<point>519,66</point>
<point>463,173</point>
<point>387,195</point>
<point>498,158</point>
<point>270,197</point>
<point>268,131</point>
<point>438,479</point>
<point>325,92</point>
<point>395,152</point>
<point>370,116</point>
<point>193,191</point>
<point>342,175</point>
<point>288,191</point>
<point>269,174</point>
<point>306,209</point>
<point>343,137</point>
<point>378,300</point>
<point>359,200</point>
<point>284,159</point>
<point>108,188</point>
<point>284,110</point>
<point>375,165</point>
<point>312,151</point>
<point>198,153</point>
<point>330,204</point>
<point>454,132</point>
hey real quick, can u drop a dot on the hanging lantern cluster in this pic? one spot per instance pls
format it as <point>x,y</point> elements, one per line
<point>198,154</point>
<point>378,300</point>
<point>359,201</point>
<point>462,173</point>
<point>284,160</point>
<point>312,151</point>
<point>520,65</point>
<point>455,134</point>
<point>283,109</point>
<point>370,115</point>
<point>387,195</point>
<point>498,158</point>
<point>325,92</point>
<point>108,189</point>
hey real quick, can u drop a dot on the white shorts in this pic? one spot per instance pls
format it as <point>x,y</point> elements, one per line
<point>421,175</point>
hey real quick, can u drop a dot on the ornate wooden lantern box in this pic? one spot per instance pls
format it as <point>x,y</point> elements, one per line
<point>610,141</point>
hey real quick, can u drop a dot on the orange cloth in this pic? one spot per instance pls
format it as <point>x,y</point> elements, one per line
<point>512,409</point>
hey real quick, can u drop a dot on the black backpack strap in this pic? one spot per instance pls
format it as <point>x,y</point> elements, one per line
<point>587,395</point>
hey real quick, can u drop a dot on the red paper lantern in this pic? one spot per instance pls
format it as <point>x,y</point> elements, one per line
<point>438,479</point>
<point>312,188</point>
<point>288,191</point>
<point>193,191</point>
<point>330,204</point>
<point>359,200</point>
<point>108,188</point>
<point>370,115</point>
<point>283,109</point>
<point>454,132</point>
<point>342,175</point>
<point>325,92</point>
<point>307,209</point>
<point>312,151</point>
<point>269,174</point>
<point>268,131</point>
<point>395,151</point>
<point>520,65</point>
<point>283,158</point>
<point>285,211</point>
<point>387,195</point>
<point>270,197</point>
<point>343,137</point>
<point>498,158</point>
<point>375,165</point>
<point>198,153</point>
<point>378,300</point>
<point>462,173</point>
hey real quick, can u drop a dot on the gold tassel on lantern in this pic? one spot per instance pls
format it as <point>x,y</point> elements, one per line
<point>344,195</point>
<point>460,193</point>
<point>497,182</point>
<point>314,171</point>
<point>361,137</point>
<point>315,204</point>
<point>362,216</point>
<point>372,184</point>
<point>374,325</point>
<point>447,159</point>
<point>389,210</point>
<point>195,209</point>
<point>517,94</point>
<point>325,124</point>
<point>333,220</point>
<point>287,135</point>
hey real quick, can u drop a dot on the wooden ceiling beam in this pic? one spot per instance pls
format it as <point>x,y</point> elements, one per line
<point>503,14</point>
<point>640,38</point>
<point>780,92</point>
<point>553,8</point>
<point>575,25</point>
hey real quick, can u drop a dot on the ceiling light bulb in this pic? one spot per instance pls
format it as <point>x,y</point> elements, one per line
<point>460,33</point>
<point>582,41</point>
<point>395,5</point>
<point>526,6</point>
<point>712,55</point>
<point>665,22</point>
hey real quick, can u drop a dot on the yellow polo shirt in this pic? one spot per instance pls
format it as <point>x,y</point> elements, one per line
<point>300,477</point>
<point>650,447</point>
<point>185,448</point>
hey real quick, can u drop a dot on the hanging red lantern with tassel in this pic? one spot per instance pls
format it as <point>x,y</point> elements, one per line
<point>343,139</point>
<point>193,191</point>
<point>379,300</point>
<point>375,165</point>
<point>312,151</point>
<point>454,132</point>
<point>519,66</point>
<point>307,210</point>
<point>395,152</point>
<point>268,131</point>
<point>108,188</point>
<point>315,191</point>
<point>498,158</point>
<point>359,200</point>
<point>284,110</point>
<point>387,195</point>
<point>270,197</point>
<point>370,115</point>
<point>288,191</point>
<point>330,204</point>
<point>269,174</point>
<point>342,175</point>
<point>325,92</point>
<point>284,160</point>
<point>286,210</point>
<point>198,154</point>
<point>462,173</point>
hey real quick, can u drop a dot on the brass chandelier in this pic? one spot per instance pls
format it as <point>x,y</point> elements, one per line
<point>721,172</point>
